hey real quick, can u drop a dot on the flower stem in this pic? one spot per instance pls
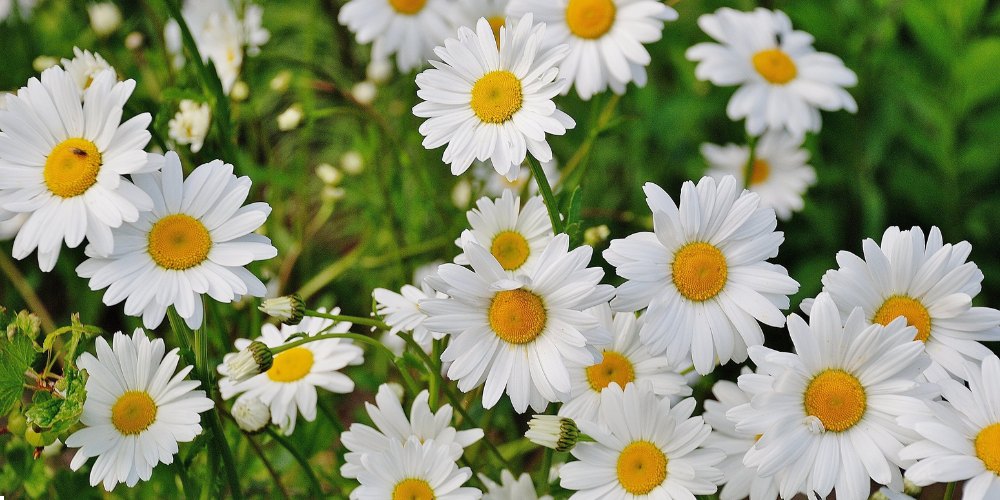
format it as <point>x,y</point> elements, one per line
<point>546,189</point>
<point>543,472</point>
<point>314,485</point>
<point>949,491</point>
<point>353,319</point>
<point>579,159</point>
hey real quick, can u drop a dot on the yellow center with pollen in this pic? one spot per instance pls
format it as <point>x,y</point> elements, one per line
<point>413,489</point>
<point>72,167</point>
<point>133,412</point>
<point>613,368</point>
<point>988,447</point>
<point>699,271</point>
<point>641,467</point>
<point>407,7</point>
<point>775,66</point>
<point>179,242</point>
<point>510,249</point>
<point>291,365</point>
<point>590,19</point>
<point>915,313</point>
<point>496,22</point>
<point>517,316</point>
<point>496,96</point>
<point>837,399</point>
<point>760,170</point>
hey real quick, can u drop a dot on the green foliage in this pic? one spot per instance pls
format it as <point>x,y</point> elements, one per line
<point>16,355</point>
<point>56,413</point>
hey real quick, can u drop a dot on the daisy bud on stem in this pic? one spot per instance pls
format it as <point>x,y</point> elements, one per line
<point>552,431</point>
<point>289,309</point>
<point>256,358</point>
<point>251,414</point>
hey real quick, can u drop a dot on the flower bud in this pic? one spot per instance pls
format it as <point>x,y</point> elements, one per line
<point>251,414</point>
<point>552,431</point>
<point>290,118</point>
<point>288,309</point>
<point>104,18</point>
<point>255,359</point>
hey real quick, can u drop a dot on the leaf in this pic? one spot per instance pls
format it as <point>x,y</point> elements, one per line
<point>16,355</point>
<point>58,414</point>
<point>975,72</point>
<point>76,328</point>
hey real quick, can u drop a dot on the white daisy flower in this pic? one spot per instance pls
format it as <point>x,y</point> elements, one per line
<point>779,173</point>
<point>605,38</point>
<point>827,414</point>
<point>84,67</point>
<point>136,411</point>
<point>515,236</point>
<point>408,29</point>
<point>413,469</point>
<point>24,8</point>
<point>643,448</point>
<point>624,360</point>
<point>289,386</point>
<point>928,283</point>
<point>490,103</point>
<point>783,81</point>
<point>494,185</point>
<point>518,333</point>
<point>391,424</point>
<point>190,124</point>
<point>960,439</point>
<point>195,241</point>
<point>10,226</point>
<point>511,489</point>
<point>63,161</point>
<point>401,311</point>
<point>703,273</point>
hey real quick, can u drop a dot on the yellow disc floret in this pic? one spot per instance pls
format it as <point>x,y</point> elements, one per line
<point>641,467</point>
<point>407,7</point>
<point>590,19</point>
<point>496,96</point>
<point>413,489</point>
<point>915,313</point>
<point>836,398</point>
<point>517,316</point>
<point>775,66</point>
<point>988,447</point>
<point>179,242</point>
<point>133,412</point>
<point>699,271</point>
<point>760,170</point>
<point>72,167</point>
<point>510,249</point>
<point>613,368</point>
<point>291,365</point>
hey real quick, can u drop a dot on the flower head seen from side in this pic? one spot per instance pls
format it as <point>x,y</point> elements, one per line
<point>703,273</point>
<point>510,488</point>
<point>408,29</point>
<point>137,409</point>
<point>491,103</point>
<point>644,448</point>
<point>780,173</point>
<point>623,361</point>
<point>605,38</point>
<point>190,124</point>
<point>783,81</point>
<point>196,240</point>
<point>827,413</point>
<point>517,334</point>
<point>925,281</point>
<point>84,67</point>
<point>514,235</point>
<point>413,470</point>
<point>289,386</point>
<point>401,311</point>
<point>393,425</point>
<point>63,160</point>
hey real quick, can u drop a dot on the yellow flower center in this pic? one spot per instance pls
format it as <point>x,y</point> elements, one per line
<point>72,167</point>
<point>613,368</point>
<point>988,447</point>
<point>496,22</point>
<point>291,365</point>
<point>775,66</point>
<point>407,7</point>
<point>699,271</point>
<point>837,399</point>
<point>179,242</point>
<point>413,489</point>
<point>760,170</point>
<point>133,413</point>
<point>915,313</point>
<point>496,96</point>
<point>517,316</point>
<point>510,249</point>
<point>590,18</point>
<point>641,467</point>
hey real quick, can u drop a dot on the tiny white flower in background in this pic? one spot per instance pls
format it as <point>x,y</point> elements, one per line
<point>413,469</point>
<point>605,38</point>
<point>783,81</point>
<point>379,71</point>
<point>84,67</point>
<point>136,411</point>
<point>24,8</point>
<point>364,92</point>
<point>281,81</point>
<point>105,18</point>
<point>408,29</point>
<point>779,173</point>
<point>515,236</point>
<point>240,91</point>
<point>352,162</point>
<point>329,174</point>
<point>596,235</point>
<point>511,489</point>
<point>190,124</point>
<point>42,63</point>
<point>134,40</point>
<point>290,118</point>
<point>392,425</point>
<point>494,184</point>
<point>497,107</point>
<point>461,194</point>
<point>250,413</point>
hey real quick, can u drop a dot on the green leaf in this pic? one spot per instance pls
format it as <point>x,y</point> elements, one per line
<point>58,414</point>
<point>975,72</point>
<point>16,355</point>
<point>76,328</point>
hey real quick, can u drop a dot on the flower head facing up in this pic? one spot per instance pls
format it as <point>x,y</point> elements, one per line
<point>413,470</point>
<point>515,236</point>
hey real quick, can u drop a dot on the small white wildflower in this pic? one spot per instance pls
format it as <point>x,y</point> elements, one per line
<point>190,124</point>
<point>364,92</point>
<point>105,18</point>
<point>352,163</point>
<point>290,118</point>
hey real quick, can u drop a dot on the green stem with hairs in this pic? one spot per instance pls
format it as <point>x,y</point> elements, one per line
<point>358,320</point>
<point>546,189</point>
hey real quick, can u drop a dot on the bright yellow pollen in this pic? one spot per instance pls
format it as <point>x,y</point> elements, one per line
<point>613,368</point>
<point>133,413</point>
<point>517,316</point>
<point>699,271</point>
<point>590,18</point>
<point>413,489</point>
<point>407,7</point>
<point>760,170</point>
<point>988,447</point>
<point>641,467</point>
<point>291,365</point>
<point>837,399</point>
<point>496,22</point>
<point>775,66</point>
<point>496,96</point>
<point>510,249</point>
<point>915,313</point>
<point>72,167</point>
<point>179,242</point>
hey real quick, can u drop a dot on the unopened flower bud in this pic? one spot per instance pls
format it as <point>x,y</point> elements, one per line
<point>288,309</point>
<point>364,92</point>
<point>552,431</point>
<point>251,414</point>
<point>595,235</point>
<point>352,162</point>
<point>255,359</point>
<point>290,118</point>
<point>240,91</point>
<point>104,18</point>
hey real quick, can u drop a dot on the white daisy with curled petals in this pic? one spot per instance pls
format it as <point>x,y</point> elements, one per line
<point>408,29</point>
<point>196,240</point>
<point>413,470</point>
<point>491,103</point>
<point>516,236</point>
<point>703,273</point>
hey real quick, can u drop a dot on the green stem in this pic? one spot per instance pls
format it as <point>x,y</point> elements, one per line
<point>949,491</point>
<point>27,292</point>
<point>358,320</point>
<point>314,485</point>
<point>267,465</point>
<point>222,447</point>
<point>578,160</point>
<point>546,189</point>
<point>543,473</point>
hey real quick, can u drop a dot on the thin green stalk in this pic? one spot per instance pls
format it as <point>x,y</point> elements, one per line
<point>543,473</point>
<point>949,491</point>
<point>435,377</point>
<point>27,293</point>
<point>314,485</point>
<point>546,189</point>
<point>221,447</point>
<point>579,159</point>
<point>275,477</point>
<point>358,320</point>
<point>330,273</point>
